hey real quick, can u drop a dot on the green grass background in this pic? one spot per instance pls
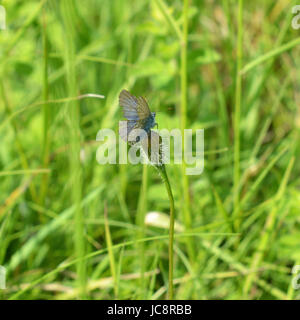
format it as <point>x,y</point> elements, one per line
<point>73,229</point>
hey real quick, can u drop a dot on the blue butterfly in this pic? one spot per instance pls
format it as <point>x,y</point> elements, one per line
<point>137,113</point>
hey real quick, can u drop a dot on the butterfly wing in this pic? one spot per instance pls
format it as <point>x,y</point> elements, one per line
<point>133,108</point>
<point>127,126</point>
<point>129,104</point>
<point>137,113</point>
<point>143,110</point>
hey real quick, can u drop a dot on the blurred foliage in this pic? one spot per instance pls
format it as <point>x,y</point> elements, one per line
<point>122,44</point>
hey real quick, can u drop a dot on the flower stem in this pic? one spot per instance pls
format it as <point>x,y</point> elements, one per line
<point>164,176</point>
<point>237,117</point>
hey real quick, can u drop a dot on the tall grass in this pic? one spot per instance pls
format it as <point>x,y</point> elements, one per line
<point>140,221</point>
<point>46,109</point>
<point>67,8</point>
<point>171,232</point>
<point>237,113</point>
<point>185,203</point>
<point>230,67</point>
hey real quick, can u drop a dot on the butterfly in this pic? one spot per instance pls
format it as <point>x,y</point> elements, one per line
<point>137,113</point>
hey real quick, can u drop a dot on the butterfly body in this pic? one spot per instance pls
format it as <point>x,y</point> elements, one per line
<point>137,113</point>
<point>149,122</point>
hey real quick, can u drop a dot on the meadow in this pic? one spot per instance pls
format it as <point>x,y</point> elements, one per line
<point>71,228</point>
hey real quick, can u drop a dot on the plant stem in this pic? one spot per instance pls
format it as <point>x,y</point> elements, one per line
<point>75,134</point>
<point>140,221</point>
<point>111,256</point>
<point>164,176</point>
<point>46,113</point>
<point>185,204</point>
<point>237,115</point>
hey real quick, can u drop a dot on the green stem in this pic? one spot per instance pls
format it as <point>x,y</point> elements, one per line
<point>140,220</point>
<point>183,115</point>
<point>46,113</point>
<point>111,256</point>
<point>164,176</point>
<point>237,115</point>
<point>76,172</point>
